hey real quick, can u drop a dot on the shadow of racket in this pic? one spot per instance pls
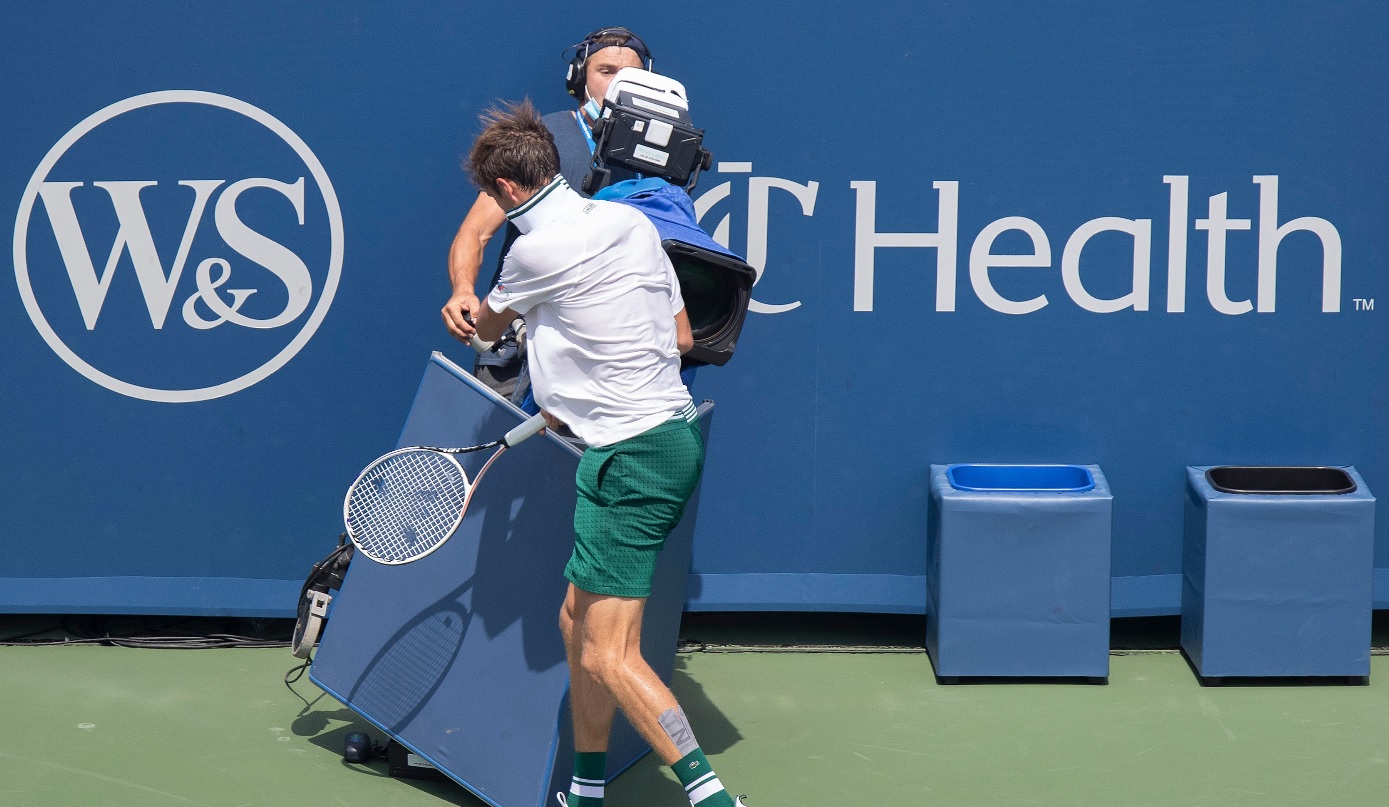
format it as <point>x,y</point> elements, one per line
<point>409,668</point>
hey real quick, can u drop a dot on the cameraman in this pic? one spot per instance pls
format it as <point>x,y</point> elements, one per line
<point>595,61</point>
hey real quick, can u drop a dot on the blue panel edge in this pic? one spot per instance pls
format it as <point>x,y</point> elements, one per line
<point>1141,595</point>
<point>181,596</point>
<point>1148,595</point>
<point>1138,595</point>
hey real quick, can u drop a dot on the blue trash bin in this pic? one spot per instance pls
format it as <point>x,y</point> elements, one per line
<point>1018,571</point>
<point>1277,572</point>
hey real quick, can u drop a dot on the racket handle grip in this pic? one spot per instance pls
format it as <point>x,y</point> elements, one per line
<point>478,344</point>
<point>525,430</point>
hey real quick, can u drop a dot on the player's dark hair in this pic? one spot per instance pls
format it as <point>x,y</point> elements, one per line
<point>515,145</point>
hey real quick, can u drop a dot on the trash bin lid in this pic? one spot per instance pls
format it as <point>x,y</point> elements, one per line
<point>1279,479</point>
<point>1021,478</point>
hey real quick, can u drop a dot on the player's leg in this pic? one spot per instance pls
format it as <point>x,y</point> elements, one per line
<point>607,637</point>
<point>607,631</point>
<point>593,708</point>
<point>630,496</point>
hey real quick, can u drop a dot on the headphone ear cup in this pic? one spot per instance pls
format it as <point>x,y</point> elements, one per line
<point>574,78</point>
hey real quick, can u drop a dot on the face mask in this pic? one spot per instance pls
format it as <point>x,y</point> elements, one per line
<point>592,109</point>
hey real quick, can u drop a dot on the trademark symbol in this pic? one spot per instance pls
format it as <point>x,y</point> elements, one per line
<point>1364,303</point>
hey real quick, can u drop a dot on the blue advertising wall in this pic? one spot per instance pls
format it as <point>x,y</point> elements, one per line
<point>1143,236</point>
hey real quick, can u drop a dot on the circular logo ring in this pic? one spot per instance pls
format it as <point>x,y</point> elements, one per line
<point>26,206</point>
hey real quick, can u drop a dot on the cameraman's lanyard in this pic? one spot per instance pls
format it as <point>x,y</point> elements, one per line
<point>588,132</point>
<point>588,135</point>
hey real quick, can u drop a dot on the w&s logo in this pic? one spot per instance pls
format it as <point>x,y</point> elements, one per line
<point>178,246</point>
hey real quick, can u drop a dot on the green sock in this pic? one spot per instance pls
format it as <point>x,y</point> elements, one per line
<point>589,772</point>
<point>701,785</point>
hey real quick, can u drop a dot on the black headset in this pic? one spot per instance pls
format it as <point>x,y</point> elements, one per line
<point>577,77</point>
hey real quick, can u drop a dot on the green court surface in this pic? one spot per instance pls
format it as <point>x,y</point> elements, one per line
<point>794,711</point>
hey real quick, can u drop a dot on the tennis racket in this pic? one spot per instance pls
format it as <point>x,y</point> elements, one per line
<point>407,503</point>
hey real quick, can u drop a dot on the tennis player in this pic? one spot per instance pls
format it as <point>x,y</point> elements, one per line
<point>607,327</point>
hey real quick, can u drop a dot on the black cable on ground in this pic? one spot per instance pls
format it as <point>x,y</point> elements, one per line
<point>168,633</point>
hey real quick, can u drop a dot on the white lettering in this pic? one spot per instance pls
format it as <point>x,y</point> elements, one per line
<point>1177,216</point>
<point>134,235</point>
<point>758,214</point>
<point>207,294</point>
<point>982,259</point>
<point>1217,224</point>
<point>1141,230</point>
<point>1271,235</point>
<point>282,262</point>
<point>867,239</point>
<point>710,198</point>
<point>759,189</point>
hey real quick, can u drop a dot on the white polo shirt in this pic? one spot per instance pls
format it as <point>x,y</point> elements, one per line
<point>600,299</point>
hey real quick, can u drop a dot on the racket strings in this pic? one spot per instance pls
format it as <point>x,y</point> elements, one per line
<point>406,504</point>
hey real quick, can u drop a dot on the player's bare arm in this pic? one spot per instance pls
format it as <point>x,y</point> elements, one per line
<point>684,335</point>
<point>483,221</point>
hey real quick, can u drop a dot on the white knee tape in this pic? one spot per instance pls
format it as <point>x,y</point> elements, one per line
<point>678,729</point>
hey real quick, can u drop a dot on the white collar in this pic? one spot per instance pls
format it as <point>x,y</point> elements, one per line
<point>548,203</point>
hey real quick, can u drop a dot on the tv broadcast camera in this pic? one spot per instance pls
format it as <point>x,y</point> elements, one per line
<point>645,126</point>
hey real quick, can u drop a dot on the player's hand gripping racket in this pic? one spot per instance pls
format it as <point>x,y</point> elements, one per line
<point>407,503</point>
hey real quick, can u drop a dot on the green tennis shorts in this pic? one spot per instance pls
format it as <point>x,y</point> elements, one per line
<point>631,495</point>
